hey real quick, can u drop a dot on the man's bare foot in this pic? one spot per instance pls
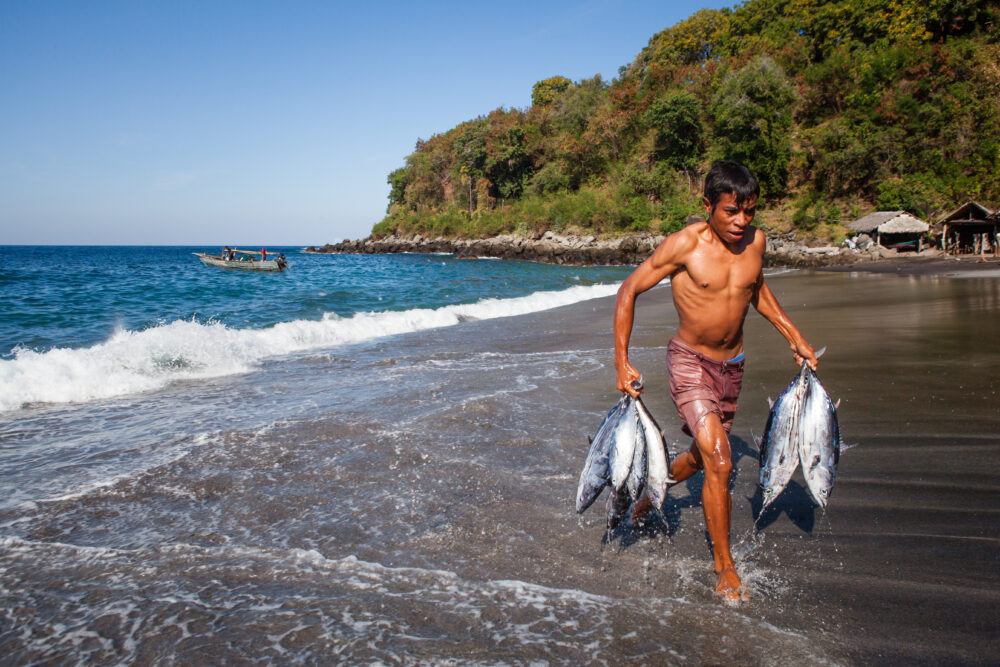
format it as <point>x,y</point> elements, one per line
<point>730,587</point>
<point>641,509</point>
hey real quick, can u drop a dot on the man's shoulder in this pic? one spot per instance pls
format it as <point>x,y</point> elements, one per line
<point>688,236</point>
<point>679,244</point>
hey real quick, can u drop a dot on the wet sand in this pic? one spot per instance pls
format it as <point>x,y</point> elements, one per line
<point>922,265</point>
<point>904,567</point>
<point>410,501</point>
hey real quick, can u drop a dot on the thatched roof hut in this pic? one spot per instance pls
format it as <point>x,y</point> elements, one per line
<point>969,212</point>
<point>901,228</point>
<point>889,222</point>
<point>970,228</point>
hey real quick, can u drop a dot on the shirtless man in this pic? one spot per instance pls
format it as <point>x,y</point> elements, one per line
<point>715,276</point>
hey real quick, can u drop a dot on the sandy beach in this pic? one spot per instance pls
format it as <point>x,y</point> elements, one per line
<point>907,264</point>
<point>903,566</point>
<point>410,500</point>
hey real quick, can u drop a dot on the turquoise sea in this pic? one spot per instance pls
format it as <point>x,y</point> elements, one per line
<point>90,322</point>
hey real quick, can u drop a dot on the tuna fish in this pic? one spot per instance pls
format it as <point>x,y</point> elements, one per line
<point>779,453</point>
<point>596,470</point>
<point>801,427</point>
<point>627,453</point>
<point>657,458</point>
<point>819,446</point>
<point>625,441</point>
<point>637,475</point>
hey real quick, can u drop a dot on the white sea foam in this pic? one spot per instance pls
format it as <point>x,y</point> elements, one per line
<point>135,361</point>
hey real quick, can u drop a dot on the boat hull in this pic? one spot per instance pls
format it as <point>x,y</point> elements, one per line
<point>248,265</point>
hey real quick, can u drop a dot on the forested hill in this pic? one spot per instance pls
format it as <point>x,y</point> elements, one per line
<point>839,107</point>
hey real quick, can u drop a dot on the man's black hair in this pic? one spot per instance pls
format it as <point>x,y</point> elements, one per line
<point>730,177</point>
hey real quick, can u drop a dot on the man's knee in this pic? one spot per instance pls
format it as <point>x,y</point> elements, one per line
<point>713,446</point>
<point>720,467</point>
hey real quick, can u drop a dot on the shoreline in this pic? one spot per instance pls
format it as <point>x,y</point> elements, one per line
<point>783,251</point>
<point>455,504</point>
<point>911,264</point>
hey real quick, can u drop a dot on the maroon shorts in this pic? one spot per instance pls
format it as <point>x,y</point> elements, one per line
<point>700,386</point>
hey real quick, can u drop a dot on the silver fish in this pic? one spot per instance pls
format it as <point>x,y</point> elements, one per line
<point>596,470</point>
<point>779,451</point>
<point>819,444</point>
<point>637,475</point>
<point>657,457</point>
<point>623,448</point>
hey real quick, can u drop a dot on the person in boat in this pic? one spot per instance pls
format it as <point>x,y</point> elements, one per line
<point>227,253</point>
<point>715,271</point>
<point>263,255</point>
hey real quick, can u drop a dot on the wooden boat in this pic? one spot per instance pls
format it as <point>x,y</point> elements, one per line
<point>248,264</point>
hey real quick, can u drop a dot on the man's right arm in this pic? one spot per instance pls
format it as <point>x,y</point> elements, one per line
<point>667,259</point>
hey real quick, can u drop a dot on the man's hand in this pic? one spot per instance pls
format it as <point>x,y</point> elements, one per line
<point>626,375</point>
<point>803,351</point>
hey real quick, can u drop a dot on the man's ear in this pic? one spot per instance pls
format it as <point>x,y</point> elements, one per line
<point>708,205</point>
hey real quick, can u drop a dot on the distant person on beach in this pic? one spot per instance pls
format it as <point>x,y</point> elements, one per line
<point>715,271</point>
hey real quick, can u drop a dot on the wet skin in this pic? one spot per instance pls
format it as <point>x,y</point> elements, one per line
<point>715,271</point>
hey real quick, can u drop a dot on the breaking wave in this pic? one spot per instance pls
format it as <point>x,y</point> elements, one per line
<point>136,361</point>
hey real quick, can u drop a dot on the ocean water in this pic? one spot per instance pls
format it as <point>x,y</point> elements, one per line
<point>86,323</point>
<point>199,466</point>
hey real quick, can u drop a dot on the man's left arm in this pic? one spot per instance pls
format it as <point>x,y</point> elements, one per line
<point>767,305</point>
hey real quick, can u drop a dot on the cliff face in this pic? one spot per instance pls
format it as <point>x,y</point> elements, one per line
<point>783,250</point>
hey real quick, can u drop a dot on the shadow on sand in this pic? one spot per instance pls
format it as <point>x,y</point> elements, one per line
<point>794,501</point>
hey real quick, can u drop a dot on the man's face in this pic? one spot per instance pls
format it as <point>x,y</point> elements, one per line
<point>730,220</point>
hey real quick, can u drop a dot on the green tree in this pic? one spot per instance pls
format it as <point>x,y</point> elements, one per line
<point>547,91</point>
<point>678,131</point>
<point>507,164</point>
<point>752,111</point>
<point>398,180</point>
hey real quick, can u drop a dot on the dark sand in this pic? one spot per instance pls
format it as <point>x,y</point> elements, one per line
<point>904,567</point>
<point>922,265</point>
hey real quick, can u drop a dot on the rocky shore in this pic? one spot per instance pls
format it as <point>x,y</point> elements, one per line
<point>782,249</point>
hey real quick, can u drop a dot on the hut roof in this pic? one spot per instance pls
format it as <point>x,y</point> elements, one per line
<point>889,222</point>
<point>968,212</point>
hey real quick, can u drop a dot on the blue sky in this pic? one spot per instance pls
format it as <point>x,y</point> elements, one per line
<point>256,123</point>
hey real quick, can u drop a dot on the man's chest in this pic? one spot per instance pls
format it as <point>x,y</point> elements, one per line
<point>734,276</point>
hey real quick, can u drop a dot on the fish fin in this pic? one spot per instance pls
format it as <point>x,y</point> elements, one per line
<point>836,405</point>
<point>756,438</point>
<point>770,403</point>
<point>820,352</point>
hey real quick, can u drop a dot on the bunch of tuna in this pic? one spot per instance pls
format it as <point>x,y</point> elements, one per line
<point>628,452</point>
<point>802,426</point>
